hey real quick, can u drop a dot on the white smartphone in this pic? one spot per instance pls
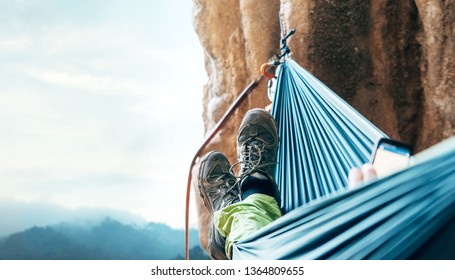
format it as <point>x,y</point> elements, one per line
<point>390,156</point>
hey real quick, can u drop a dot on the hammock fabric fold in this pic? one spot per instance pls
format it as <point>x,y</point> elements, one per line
<point>321,138</point>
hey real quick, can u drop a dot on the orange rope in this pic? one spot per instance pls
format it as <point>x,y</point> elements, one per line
<point>218,126</point>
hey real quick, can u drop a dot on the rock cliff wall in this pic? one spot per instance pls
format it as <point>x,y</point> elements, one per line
<point>394,61</point>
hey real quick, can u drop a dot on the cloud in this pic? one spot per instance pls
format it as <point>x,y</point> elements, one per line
<point>93,83</point>
<point>107,156</point>
<point>99,104</point>
<point>15,44</point>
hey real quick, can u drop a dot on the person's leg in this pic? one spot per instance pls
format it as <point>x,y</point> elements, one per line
<point>257,144</point>
<point>218,189</point>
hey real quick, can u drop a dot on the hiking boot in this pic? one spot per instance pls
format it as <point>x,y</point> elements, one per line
<point>218,189</point>
<point>257,145</point>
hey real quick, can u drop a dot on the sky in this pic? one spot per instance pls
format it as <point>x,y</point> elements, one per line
<point>100,104</point>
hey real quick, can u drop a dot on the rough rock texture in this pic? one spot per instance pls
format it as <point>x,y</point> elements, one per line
<point>237,37</point>
<point>437,64</point>
<point>392,60</point>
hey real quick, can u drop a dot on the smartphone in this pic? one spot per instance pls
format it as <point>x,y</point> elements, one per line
<point>390,156</point>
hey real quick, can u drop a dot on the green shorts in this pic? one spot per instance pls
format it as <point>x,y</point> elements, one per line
<point>244,218</point>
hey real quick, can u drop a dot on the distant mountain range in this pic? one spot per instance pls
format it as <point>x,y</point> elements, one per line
<point>107,240</point>
<point>16,216</point>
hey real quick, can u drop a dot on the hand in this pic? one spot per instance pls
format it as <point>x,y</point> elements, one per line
<point>359,176</point>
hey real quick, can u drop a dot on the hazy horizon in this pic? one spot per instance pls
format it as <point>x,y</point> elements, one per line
<point>16,216</point>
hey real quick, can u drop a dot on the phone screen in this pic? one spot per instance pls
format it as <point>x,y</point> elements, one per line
<point>390,157</point>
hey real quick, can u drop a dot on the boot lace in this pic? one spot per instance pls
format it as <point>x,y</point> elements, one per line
<point>251,159</point>
<point>229,184</point>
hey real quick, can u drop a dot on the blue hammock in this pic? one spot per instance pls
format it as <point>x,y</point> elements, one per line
<point>321,139</point>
